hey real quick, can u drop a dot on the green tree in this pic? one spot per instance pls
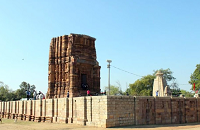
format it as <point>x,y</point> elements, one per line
<point>142,87</point>
<point>167,74</point>
<point>24,86</point>
<point>5,93</point>
<point>195,78</point>
<point>114,90</point>
<point>186,93</point>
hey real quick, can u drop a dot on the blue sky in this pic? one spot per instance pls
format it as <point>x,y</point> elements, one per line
<point>139,36</point>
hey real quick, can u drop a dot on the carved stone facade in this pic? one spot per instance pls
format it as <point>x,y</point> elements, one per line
<point>73,66</point>
<point>160,87</point>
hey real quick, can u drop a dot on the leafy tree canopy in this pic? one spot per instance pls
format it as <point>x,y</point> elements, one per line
<point>171,80</point>
<point>195,78</point>
<point>7,94</point>
<point>24,86</point>
<point>142,87</point>
<point>114,89</point>
<point>167,74</point>
<point>186,93</point>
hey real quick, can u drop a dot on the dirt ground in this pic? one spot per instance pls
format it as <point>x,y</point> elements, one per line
<point>9,124</point>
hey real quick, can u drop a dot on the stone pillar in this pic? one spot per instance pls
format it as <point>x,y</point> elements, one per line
<point>55,110</point>
<point>2,108</point>
<point>71,111</point>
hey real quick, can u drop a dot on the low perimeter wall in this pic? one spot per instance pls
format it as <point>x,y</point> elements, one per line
<point>105,111</point>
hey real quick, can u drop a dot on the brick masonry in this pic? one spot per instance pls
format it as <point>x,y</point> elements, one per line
<point>105,111</point>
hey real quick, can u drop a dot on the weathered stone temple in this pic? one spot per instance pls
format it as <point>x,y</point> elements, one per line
<point>160,87</point>
<point>73,66</point>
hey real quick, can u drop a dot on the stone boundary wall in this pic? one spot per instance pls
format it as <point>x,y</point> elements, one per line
<point>105,111</point>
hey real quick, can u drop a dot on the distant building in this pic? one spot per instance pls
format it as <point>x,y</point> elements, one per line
<point>160,87</point>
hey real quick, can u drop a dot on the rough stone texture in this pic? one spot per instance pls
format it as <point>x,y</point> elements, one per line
<point>178,110</point>
<point>49,107</point>
<point>191,110</point>
<point>62,110</point>
<point>79,114</point>
<point>98,111</point>
<point>108,111</point>
<point>145,110</point>
<point>163,110</point>
<point>120,111</point>
<point>72,65</point>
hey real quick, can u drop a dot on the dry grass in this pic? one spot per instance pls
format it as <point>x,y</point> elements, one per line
<point>9,124</point>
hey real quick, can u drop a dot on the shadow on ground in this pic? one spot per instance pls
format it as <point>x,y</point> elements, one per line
<point>157,126</point>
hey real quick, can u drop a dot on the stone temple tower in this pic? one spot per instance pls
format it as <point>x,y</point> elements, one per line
<point>73,66</point>
<point>160,87</point>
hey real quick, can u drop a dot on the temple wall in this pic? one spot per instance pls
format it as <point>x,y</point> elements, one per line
<point>105,111</point>
<point>62,110</point>
<point>178,110</point>
<point>190,110</point>
<point>96,111</point>
<point>163,110</point>
<point>49,107</point>
<point>144,113</point>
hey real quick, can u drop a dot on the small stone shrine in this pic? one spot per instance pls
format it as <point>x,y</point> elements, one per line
<point>160,87</point>
<point>73,66</point>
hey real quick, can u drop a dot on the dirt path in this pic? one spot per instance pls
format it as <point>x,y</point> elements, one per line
<point>9,124</point>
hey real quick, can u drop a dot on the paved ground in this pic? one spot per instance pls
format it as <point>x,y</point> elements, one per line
<point>9,124</point>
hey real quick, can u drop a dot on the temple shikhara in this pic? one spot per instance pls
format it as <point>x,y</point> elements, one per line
<point>160,87</point>
<point>73,66</point>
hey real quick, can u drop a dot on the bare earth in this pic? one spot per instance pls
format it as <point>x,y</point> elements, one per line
<point>9,124</point>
